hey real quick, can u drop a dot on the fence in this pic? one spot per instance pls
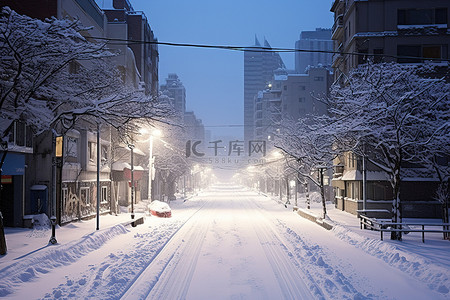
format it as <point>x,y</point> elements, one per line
<point>374,224</point>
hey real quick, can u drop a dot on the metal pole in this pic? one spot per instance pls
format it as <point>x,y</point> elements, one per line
<point>98,176</point>
<point>150,169</point>
<point>132,183</point>
<point>364,182</point>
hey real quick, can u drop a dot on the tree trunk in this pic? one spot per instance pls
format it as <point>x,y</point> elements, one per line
<point>396,207</point>
<point>308,200</point>
<point>324,206</point>
<point>3,248</point>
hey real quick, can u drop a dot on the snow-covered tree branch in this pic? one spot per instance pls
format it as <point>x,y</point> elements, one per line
<point>393,114</point>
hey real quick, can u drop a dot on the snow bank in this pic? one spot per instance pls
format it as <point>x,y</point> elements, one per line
<point>45,259</point>
<point>435,276</point>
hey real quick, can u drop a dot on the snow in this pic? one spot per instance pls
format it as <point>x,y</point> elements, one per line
<point>227,242</point>
<point>159,206</point>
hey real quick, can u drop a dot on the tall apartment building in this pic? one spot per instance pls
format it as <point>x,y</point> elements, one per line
<point>259,67</point>
<point>31,162</point>
<point>77,174</point>
<point>175,90</point>
<point>403,31</point>
<point>318,40</point>
<point>406,31</point>
<point>127,24</point>
<point>290,95</point>
<point>195,130</point>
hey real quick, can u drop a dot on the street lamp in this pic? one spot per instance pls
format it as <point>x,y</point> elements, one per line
<point>131,146</point>
<point>155,133</point>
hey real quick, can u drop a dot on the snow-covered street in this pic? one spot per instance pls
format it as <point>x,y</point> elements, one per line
<point>226,243</point>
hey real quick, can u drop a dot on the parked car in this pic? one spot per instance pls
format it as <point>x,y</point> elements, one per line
<point>160,209</point>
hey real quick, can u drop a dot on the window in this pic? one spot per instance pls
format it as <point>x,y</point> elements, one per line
<point>431,52</point>
<point>64,197</point>
<point>92,151</point>
<point>301,88</point>
<point>104,153</point>
<point>408,54</point>
<point>71,147</point>
<point>427,16</point>
<point>362,58</point>
<point>285,87</point>
<point>318,78</point>
<point>414,53</point>
<point>21,135</point>
<point>85,196</point>
<point>378,55</point>
<point>301,99</point>
<point>104,194</point>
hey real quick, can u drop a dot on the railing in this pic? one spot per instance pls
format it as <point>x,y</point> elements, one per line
<point>373,224</point>
<point>338,23</point>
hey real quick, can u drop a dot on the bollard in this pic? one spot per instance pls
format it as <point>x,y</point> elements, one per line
<point>53,237</point>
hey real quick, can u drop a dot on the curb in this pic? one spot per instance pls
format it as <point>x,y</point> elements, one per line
<point>314,218</point>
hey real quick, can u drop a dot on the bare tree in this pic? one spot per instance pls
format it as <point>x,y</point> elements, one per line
<point>309,146</point>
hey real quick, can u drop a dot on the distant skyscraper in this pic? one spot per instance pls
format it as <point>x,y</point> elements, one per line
<point>175,90</point>
<point>259,67</point>
<point>320,39</point>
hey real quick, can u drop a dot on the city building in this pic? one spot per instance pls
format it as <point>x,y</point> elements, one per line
<point>403,31</point>
<point>396,30</point>
<point>175,90</point>
<point>37,182</point>
<point>194,128</point>
<point>319,41</point>
<point>290,95</point>
<point>259,67</point>
<point>129,25</point>
<point>43,178</point>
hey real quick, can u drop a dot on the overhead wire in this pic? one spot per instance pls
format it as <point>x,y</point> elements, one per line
<point>117,41</point>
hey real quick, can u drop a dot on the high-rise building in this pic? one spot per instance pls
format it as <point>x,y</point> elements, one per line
<point>126,23</point>
<point>290,95</point>
<point>175,90</point>
<point>320,42</point>
<point>405,31</point>
<point>259,67</point>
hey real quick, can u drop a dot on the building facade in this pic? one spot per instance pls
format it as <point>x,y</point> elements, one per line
<point>39,182</point>
<point>290,96</point>
<point>319,41</point>
<point>175,90</point>
<point>259,67</point>
<point>396,30</point>
<point>402,31</point>
<point>129,25</point>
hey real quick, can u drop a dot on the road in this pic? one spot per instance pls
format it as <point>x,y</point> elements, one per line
<point>230,248</point>
<point>225,243</point>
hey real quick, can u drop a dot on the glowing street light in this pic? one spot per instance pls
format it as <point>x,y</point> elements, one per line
<point>153,134</point>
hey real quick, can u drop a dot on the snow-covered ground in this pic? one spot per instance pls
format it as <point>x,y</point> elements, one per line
<point>225,243</point>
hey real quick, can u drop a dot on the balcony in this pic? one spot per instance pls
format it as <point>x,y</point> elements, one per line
<point>337,57</point>
<point>338,27</point>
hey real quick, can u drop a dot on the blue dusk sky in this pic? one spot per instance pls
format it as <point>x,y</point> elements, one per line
<point>214,79</point>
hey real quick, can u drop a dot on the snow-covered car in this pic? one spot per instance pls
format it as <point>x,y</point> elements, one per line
<point>160,209</point>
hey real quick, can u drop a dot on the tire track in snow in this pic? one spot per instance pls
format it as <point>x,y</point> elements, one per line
<point>324,280</point>
<point>289,276</point>
<point>169,274</point>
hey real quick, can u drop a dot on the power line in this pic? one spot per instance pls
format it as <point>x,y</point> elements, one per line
<point>117,41</point>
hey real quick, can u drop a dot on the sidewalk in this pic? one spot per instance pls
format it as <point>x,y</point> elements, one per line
<point>346,227</point>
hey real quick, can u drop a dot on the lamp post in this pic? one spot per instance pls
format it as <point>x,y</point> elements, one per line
<point>131,146</point>
<point>155,133</point>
